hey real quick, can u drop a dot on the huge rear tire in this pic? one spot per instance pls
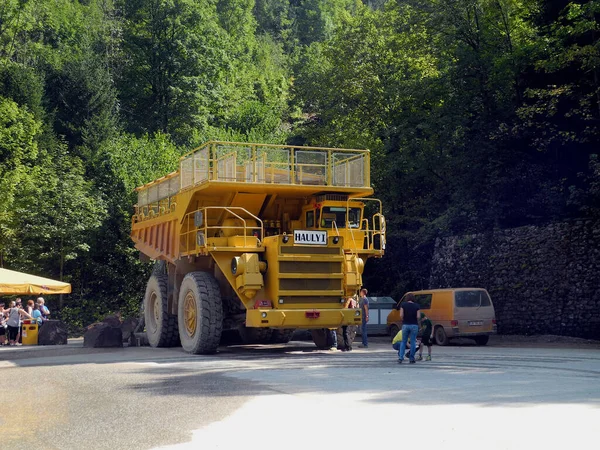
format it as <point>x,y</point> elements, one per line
<point>161,327</point>
<point>255,335</point>
<point>282,336</point>
<point>200,313</point>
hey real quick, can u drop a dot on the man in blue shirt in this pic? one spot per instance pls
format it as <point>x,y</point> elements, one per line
<point>410,326</point>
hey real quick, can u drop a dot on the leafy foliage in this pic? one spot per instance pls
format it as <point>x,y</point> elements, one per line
<point>478,113</point>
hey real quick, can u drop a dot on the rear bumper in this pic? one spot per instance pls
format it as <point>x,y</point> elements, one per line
<point>456,333</point>
<point>302,318</point>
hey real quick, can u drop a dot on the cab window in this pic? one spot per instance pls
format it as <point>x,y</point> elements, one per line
<point>310,219</point>
<point>337,214</point>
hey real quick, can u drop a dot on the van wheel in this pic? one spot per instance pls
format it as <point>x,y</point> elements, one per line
<point>481,340</point>
<point>440,336</point>
<point>393,331</point>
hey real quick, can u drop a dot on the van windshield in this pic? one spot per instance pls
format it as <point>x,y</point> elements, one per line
<point>471,299</point>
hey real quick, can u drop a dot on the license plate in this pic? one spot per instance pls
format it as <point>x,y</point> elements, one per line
<point>475,323</point>
<point>307,237</point>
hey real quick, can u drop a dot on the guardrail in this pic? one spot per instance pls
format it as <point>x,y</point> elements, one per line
<point>200,226</point>
<point>257,163</point>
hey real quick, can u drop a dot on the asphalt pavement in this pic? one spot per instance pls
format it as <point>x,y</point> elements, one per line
<point>296,397</point>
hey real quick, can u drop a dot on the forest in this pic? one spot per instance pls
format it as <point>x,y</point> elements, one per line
<point>479,115</point>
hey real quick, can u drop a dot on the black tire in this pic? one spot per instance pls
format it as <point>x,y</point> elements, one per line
<point>321,338</point>
<point>440,336</point>
<point>255,335</point>
<point>161,327</point>
<point>200,313</point>
<point>282,335</point>
<point>159,268</point>
<point>394,329</point>
<point>481,340</point>
<point>352,329</point>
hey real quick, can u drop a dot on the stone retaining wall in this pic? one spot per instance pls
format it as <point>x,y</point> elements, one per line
<point>542,280</point>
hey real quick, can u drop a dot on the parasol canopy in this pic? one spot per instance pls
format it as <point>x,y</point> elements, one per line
<point>19,283</point>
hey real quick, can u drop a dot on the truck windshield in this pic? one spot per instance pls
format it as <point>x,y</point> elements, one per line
<point>337,214</point>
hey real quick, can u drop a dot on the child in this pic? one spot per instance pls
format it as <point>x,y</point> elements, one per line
<point>426,333</point>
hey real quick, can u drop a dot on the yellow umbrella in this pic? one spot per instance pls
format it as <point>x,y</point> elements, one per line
<point>18,283</point>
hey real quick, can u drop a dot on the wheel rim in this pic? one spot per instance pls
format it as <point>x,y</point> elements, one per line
<point>189,314</point>
<point>440,335</point>
<point>154,310</point>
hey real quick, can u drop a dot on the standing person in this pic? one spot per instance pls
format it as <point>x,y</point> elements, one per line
<point>14,320</point>
<point>29,307</point>
<point>37,315</point>
<point>2,323</point>
<point>20,306</point>
<point>43,308</point>
<point>410,327</point>
<point>427,337</point>
<point>332,339</point>
<point>347,345</point>
<point>364,306</point>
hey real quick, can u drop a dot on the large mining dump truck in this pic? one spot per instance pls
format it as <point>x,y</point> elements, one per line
<point>259,238</point>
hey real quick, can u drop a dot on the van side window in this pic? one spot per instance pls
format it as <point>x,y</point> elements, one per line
<point>423,300</point>
<point>471,299</point>
<point>400,303</point>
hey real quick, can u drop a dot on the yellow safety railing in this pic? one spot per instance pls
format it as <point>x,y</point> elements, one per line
<point>198,231</point>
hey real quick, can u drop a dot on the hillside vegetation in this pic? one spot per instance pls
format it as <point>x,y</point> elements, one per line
<point>479,114</point>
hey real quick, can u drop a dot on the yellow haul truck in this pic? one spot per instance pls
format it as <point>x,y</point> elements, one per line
<point>260,238</point>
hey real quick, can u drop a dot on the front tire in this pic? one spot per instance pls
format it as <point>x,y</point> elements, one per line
<point>200,313</point>
<point>394,330</point>
<point>255,335</point>
<point>440,336</point>
<point>282,335</point>
<point>320,338</point>
<point>481,340</point>
<point>161,327</point>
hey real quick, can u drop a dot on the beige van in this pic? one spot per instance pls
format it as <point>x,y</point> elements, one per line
<point>463,312</point>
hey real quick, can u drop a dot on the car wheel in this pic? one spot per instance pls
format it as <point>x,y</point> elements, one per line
<point>440,336</point>
<point>394,329</point>
<point>481,340</point>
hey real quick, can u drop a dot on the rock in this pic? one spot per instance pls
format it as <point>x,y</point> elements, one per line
<point>113,320</point>
<point>128,327</point>
<point>102,334</point>
<point>53,332</point>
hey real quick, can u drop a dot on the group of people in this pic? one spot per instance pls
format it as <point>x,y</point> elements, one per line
<point>414,324</point>
<point>417,329</point>
<point>12,317</point>
<point>363,304</point>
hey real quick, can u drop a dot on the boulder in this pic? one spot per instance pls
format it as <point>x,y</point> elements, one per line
<point>128,327</point>
<point>53,332</point>
<point>113,320</point>
<point>103,334</point>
